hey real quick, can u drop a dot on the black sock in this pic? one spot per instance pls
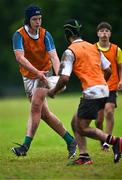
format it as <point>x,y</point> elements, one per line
<point>83,155</point>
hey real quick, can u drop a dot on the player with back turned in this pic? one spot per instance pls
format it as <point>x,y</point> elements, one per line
<point>86,61</point>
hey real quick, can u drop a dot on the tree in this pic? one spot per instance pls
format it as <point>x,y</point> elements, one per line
<point>56,12</point>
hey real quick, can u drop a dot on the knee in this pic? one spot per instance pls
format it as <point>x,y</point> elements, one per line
<point>81,131</point>
<point>35,107</point>
<point>82,127</point>
<point>46,115</point>
<point>109,110</point>
<point>37,100</point>
<point>109,114</point>
<point>39,94</point>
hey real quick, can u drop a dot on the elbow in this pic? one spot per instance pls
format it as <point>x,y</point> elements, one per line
<point>19,59</point>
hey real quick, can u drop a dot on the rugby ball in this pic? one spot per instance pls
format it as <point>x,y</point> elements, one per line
<point>52,81</point>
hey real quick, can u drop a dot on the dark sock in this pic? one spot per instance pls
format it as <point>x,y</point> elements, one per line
<point>27,141</point>
<point>68,138</point>
<point>111,139</point>
<point>84,155</point>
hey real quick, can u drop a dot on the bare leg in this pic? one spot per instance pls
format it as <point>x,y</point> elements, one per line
<point>93,133</point>
<point>52,120</point>
<point>33,121</point>
<point>58,127</point>
<point>109,114</point>
<point>109,117</point>
<point>100,119</point>
<point>35,112</point>
<point>39,108</point>
<point>81,140</point>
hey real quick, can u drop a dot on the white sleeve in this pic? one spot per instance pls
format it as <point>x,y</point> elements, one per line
<point>67,63</point>
<point>105,62</point>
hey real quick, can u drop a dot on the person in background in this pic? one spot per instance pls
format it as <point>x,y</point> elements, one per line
<point>36,54</point>
<point>85,61</point>
<point>114,54</point>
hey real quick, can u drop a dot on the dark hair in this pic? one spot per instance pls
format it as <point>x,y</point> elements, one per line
<point>104,25</point>
<point>72,28</point>
<point>31,10</point>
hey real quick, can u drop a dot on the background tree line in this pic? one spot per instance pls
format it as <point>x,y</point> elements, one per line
<point>56,12</point>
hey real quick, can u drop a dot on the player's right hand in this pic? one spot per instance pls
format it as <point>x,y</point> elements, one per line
<point>42,77</point>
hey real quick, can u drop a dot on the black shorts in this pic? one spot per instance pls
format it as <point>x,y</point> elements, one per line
<point>88,108</point>
<point>112,98</point>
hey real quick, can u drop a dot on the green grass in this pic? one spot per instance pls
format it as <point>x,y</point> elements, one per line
<point>47,157</point>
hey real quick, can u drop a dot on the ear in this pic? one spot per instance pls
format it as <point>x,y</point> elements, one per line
<point>110,34</point>
<point>98,33</point>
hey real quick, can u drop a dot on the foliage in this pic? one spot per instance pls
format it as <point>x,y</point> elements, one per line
<point>56,12</point>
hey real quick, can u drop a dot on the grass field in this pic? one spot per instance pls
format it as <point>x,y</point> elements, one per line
<point>47,157</point>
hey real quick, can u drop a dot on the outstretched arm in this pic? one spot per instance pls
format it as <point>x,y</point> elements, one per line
<point>62,82</point>
<point>64,72</point>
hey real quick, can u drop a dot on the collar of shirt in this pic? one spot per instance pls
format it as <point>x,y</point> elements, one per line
<point>77,40</point>
<point>31,35</point>
<point>102,48</point>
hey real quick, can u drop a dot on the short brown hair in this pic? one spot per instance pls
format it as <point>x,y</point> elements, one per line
<point>104,25</point>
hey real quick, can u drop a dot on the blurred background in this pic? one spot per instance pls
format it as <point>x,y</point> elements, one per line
<point>56,12</point>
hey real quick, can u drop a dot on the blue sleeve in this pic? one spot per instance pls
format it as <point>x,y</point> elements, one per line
<point>49,43</point>
<point>17,41</point>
